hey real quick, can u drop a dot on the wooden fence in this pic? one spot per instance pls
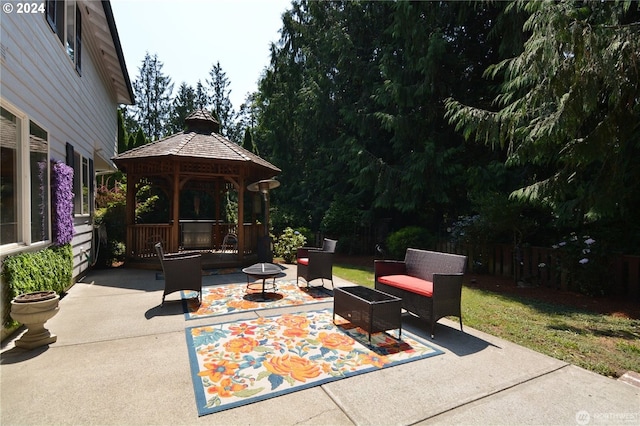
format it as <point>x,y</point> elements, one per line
<point>542,266</point>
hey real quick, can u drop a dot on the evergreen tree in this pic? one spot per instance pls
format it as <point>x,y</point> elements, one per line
<point>352,103</point>
<point>123,137</point>
<point>202,99</point>
<point>569,110</point>
<point>247,142</point>
<point>137,139</point>
<point>219,88</point>
<point>183,105</point>
<point>247,117</point>
<point>128,120</point>
<point>153,92</point>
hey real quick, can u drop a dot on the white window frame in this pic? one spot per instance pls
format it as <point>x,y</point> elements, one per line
<point>23,176</point>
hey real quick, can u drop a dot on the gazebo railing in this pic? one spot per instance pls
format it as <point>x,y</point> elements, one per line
<point>143,237</point>
<point>207,235</point>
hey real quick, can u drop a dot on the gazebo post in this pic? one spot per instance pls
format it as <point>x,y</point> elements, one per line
<point>216,225</point>
<point>175,213</point>
<point>241,218</point>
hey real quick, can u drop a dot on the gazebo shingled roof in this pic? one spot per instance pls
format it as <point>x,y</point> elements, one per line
<point>199,141</point>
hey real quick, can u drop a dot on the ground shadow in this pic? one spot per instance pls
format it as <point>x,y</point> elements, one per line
<point>317,292</point>
<point>260,297</point>
<point>16,355</point>
<point>449,338</point>
<point>600,330</point>
<point>170,307</point>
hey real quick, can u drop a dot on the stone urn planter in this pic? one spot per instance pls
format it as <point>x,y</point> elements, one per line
<point>33,310</point>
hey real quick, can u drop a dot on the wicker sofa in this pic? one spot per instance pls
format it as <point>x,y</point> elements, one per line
<point>429,283</point>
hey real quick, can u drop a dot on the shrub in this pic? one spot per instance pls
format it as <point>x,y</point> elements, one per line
<point>584,262</point>
<point>44,270</point>
<point>113,219</point>
<point>409,237</point>
<point>307,234</point>
<point>288,243</point>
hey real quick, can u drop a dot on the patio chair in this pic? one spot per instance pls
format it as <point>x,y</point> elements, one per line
<point>230,242</point>
<point>182,271</point>
<point>314,263</point>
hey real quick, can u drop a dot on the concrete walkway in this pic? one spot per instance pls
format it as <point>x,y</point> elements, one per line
<point>122,359</point>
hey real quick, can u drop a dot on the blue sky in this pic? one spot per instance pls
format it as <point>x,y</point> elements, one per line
<point>189,36</point>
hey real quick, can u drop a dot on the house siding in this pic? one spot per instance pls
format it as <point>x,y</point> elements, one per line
<point>38,78</point>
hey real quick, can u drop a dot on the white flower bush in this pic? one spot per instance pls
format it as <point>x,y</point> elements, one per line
<point>584,262</point>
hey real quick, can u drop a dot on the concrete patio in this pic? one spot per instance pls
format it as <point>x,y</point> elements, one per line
<point>120,358</point>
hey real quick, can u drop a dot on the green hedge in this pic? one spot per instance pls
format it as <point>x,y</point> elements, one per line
<point>409,237</point>
<point>48,269</point>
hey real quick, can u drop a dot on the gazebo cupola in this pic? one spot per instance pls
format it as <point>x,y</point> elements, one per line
<point>200,121</point>
<point>200,160</point>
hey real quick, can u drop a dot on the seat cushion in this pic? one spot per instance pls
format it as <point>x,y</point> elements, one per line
<point>303,261</point>
<point>409,283</point>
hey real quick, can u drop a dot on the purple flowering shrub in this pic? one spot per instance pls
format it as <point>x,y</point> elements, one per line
<point>62,203</point>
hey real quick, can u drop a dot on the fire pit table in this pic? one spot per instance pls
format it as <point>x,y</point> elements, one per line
<point>369,309</point>
<point>263,271</point>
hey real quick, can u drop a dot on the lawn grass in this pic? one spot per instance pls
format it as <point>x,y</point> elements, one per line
<point>606,344</point>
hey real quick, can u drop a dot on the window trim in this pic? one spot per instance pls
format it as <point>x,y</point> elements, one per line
<point>23,184</point>
<point>78,38</point>
<point>56,16</point>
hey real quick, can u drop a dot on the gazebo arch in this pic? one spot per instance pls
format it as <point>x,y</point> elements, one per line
<point>200,159</point>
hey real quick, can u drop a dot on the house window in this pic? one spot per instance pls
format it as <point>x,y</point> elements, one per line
<point>66,21</point>
<point>82,184</point>
<point>55,17</point>
<point>24,182</point>
<point>78,55</point>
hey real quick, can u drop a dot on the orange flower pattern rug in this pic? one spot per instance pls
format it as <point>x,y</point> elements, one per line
<point>238,363</point>
<point>234,298</point>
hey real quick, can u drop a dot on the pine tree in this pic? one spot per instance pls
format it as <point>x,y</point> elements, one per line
<point>137,139</point>
<point>153,92</point>
<point>202,99</point>
<point>123,137</point>
<point>247,142</point>
<point>219,87</point>
<point>183,105</point>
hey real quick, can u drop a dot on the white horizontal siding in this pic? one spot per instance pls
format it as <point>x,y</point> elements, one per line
<point>38,77</point>
<point>82,248</point>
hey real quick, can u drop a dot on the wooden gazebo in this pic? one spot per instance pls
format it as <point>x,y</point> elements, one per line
<point>201,160</point>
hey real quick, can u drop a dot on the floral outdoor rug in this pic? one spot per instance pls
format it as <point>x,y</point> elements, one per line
<point>234,298</point>
<point>238,363</point>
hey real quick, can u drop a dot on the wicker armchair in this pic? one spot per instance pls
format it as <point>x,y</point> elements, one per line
<point>182,271</point>
<point>314,263</point>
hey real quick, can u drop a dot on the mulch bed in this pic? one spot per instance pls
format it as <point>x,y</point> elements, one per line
<point>616,306</point>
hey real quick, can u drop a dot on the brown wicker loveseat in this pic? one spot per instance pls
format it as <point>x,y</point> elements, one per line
<point>429,283</point>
